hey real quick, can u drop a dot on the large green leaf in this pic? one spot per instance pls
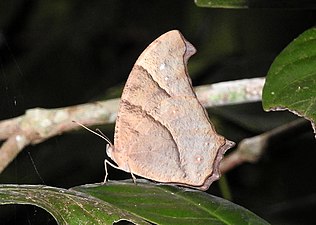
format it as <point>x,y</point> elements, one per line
<point>299,4</point>
<point>291,80</point>
<point>66,206</point>
<point>164,204</point>
<point>222,3</point>
<point>103,204</point>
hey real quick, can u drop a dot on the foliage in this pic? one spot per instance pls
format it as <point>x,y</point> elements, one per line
<point>105,204</point>
<point>291,80</point>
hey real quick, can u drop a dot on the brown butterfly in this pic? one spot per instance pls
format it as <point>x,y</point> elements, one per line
<point>162,131</point>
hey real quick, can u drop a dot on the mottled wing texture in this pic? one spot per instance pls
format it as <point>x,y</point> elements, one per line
<point>162,132</point>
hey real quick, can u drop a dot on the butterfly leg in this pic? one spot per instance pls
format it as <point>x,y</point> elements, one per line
<point>116,167</point>
<point>133,176</point>
<point>106,169</point>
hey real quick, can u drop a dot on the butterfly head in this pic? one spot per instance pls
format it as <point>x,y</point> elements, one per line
<point>109,150</point>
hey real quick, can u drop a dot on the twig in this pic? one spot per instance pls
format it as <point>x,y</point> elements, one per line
<point>251,149</point>
<point>230,92</point>
<point>39,124</point>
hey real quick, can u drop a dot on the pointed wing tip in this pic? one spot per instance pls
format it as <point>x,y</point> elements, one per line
<point>190,49</point>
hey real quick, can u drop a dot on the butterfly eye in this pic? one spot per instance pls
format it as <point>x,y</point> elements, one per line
<point>109,150</point>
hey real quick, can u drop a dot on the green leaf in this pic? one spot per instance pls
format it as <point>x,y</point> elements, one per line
<point>298,4</point>
<point>165,204</point>
<point>66,206</point>
<point>104,204</point>
<point>291,80</point>
<point>222,3</point>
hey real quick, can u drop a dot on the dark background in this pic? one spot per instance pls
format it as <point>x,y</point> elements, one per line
<point>56,53</point>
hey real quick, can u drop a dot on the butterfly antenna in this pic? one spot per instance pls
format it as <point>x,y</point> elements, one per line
<point>100,135</point>
<point>104,137</point>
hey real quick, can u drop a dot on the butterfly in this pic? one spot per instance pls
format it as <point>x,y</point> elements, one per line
<point>162,131</point>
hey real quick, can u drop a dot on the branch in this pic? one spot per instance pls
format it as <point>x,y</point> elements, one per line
<point>230,92</point>
<point>251,149</point>
<point>38,124</point>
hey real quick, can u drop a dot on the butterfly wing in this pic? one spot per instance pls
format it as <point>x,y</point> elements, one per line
<point>162,132</point>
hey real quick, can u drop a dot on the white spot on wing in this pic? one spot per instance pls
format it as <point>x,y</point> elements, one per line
<point>162,66</point>
<point>18,138</point>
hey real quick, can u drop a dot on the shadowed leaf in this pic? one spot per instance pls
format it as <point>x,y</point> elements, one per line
<point>291,80</point>
<point>164,204</point>
<point>104,204</point>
